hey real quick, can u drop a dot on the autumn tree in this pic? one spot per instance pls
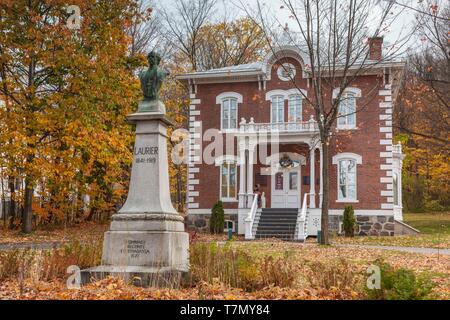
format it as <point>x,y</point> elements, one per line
<point>68,90</point>
<point>422,118</point>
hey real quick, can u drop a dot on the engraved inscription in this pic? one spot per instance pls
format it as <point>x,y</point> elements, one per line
<point>135,248</point>
<point>146,154</point>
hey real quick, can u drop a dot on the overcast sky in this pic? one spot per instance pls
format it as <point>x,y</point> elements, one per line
<point>399,29</point>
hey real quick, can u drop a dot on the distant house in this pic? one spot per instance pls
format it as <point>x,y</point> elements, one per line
<point>256,102</point>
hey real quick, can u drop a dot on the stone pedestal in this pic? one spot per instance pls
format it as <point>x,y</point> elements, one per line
<point>146,244</point>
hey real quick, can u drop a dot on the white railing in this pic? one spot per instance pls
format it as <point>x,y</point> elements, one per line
<point>302,223</point>
<point>250,220</point>
<point>282,127</point>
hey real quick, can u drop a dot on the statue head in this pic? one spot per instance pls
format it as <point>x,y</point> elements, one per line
<point>153,58</point>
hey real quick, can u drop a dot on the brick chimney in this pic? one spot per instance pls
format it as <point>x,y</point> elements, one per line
<point>376,48</point>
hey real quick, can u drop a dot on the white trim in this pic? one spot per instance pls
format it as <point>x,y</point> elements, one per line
<point>194,182</point>
<point>386,105</point>
<point>282,68</point>
<point>194,193</point>
<point>195,112</point>
<point>227,159</point>
<point>358,160</point>
<point>286,93</point>
<point>196,101</point>
<point>193,205</point>
<point>386,129</point>
<point>347,155</point>
<point>387,206</point>
<point>229,96</point>
<point>385,92</point>
<point>347,201</point>
<point>387,193</point>
<point>385,154</point>
<point>227,199</point>
<point>355,91</point>
<point>226,95</point>
<point>194,170</point>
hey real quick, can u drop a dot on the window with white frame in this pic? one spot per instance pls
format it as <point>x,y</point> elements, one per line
<point>228,179</point>
<point>229,113</point>
<point>347,180</point>
<point>347,111</point>
<point>277,109</point>
<point>295,108</point>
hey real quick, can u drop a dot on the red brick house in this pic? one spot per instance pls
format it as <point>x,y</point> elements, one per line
<point>271,148</point>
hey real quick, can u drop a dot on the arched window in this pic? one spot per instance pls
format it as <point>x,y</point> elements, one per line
<point>295,108</point>
<point>229,109</point>
<point>277,109</point>
<point>347,111</point>
<point>347,176</point>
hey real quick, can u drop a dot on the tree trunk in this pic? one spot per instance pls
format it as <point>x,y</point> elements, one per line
<point>326,195</point>
<point>12,203</point>
<point>27,217</point>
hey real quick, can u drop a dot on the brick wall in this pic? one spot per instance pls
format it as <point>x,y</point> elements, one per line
<point>367,140</point>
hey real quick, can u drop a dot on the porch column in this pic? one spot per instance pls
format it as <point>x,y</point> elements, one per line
<point>251,151</point>
<point>312,179</point>
<point>242,173</point>
<point>321,178</point>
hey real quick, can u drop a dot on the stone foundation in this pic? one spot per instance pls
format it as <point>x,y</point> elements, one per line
<point>200,222</point>
<point>366,225</point>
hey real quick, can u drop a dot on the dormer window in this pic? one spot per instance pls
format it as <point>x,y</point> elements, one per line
<point>286,72</point>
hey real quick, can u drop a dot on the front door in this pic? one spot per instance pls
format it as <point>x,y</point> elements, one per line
<point>286,189</point>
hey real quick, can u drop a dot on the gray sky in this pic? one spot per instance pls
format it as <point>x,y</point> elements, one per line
<point>399,29</point>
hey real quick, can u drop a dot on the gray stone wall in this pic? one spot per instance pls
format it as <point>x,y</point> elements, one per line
<point>367,225</point>
<point>200,222</point>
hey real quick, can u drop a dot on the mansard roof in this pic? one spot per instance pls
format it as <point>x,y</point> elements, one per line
<point>261,70</point>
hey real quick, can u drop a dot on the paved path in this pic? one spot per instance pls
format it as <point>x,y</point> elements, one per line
<point>397,248</point>
<point>38,246</point>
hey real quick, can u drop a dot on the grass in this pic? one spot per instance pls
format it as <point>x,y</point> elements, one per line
<point>429,223</point>
<point>236,270</point>
<point>434,228</point>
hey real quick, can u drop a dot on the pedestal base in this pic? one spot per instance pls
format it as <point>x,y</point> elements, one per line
<point>137,276</point>
<point>155,257</point>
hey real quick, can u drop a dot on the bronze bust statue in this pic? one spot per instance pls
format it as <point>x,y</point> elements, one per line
<point>151,82</point>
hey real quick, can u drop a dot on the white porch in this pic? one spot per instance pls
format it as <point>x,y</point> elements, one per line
<point>284,169</point>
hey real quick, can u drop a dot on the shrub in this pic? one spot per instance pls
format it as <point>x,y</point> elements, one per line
<point>217,221</point>
<point>337,275</point>
<point>238,269</point>
<point>349,221</point>
<point>400,284</point>
<point>44,265</point>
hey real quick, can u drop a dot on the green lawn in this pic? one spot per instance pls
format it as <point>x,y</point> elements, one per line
<point>434,228</point>
<point>429,223</point>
